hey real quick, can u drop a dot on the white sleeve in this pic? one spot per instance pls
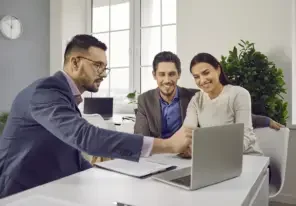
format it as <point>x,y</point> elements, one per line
<point>243,114</point>
<point>147,146</point>
<point>191,119</point>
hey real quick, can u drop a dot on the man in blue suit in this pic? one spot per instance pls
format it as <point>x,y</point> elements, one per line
<point>45,133</point>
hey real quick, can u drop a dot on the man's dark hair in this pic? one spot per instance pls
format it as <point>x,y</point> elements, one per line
<point>167,56</point>
<point>82,42</point>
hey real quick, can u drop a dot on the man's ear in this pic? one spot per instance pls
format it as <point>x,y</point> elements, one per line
<point>179,75</point>
<point>74,63</point>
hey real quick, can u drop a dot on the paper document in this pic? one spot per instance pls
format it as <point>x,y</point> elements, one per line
<point>136,169</point>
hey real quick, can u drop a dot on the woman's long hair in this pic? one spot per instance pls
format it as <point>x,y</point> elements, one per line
<point>208,58</point>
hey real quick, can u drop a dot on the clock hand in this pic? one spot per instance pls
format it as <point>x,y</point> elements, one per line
<point>10,26</point>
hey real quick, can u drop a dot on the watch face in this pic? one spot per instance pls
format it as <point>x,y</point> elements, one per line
<point>11,27</point>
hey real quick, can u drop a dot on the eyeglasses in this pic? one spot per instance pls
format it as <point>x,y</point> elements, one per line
<point>99,66</point>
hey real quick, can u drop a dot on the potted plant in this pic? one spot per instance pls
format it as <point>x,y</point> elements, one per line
<point>3,119</point>
<point>252,70</point>
<point>133,99</point>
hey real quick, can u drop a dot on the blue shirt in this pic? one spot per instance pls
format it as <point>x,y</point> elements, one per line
<point>170,116</point>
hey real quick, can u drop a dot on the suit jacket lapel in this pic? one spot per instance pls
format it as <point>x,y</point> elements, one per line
<point>157,111</point>
<point>63,79</point>
<point>184,100</point>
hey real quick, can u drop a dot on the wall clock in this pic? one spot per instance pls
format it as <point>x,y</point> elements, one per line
<point>11,27</point>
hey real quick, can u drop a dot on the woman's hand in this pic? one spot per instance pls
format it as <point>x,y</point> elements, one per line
<point>186,154</point>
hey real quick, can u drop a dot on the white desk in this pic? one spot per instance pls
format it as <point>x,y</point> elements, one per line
<point>117,118</point>
<point>100,187</point>
<point>114,123</point>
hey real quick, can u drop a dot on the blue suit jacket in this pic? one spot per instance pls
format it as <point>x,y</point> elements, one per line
<point>45,134</point>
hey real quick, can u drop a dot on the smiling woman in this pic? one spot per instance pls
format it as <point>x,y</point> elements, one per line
<point>219,102</point>
<point>208,74</point>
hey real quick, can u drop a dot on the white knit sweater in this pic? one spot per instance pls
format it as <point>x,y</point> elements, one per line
<point>233,105</point>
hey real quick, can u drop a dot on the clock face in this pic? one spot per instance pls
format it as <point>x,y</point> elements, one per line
<point>11,27</point>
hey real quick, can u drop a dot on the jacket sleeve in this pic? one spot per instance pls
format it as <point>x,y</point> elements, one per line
<point>141,125</point>
<point>54,110</point>
<point>260,121</point>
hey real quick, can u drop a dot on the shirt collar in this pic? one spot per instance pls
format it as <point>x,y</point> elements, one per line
<point>74,89</point>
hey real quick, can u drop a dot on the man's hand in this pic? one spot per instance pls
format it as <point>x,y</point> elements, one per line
<point>275,125</point>
<point>180,141</point>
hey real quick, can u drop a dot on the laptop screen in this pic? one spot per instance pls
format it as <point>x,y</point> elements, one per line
<point>99,105</point>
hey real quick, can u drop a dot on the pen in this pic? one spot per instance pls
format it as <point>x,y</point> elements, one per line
<point>121,204</point>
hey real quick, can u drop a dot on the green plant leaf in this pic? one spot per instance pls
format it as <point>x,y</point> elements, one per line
<point>252,70</point>
<point>3,119</point>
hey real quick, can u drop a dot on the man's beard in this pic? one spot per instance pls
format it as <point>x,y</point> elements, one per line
<point>91,88</point>
<point>167,94</point>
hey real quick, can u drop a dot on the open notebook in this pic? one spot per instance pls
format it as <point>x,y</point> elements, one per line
<point>141,169</point>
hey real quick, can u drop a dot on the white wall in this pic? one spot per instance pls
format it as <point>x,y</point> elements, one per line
<point>216,26</point>
<point>25,59</point>
<point>67,18</point>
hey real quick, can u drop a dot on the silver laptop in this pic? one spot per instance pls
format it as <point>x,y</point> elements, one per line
<point>217,154</point>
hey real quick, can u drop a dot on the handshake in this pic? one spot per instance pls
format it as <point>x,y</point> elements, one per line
<point>179,143</point>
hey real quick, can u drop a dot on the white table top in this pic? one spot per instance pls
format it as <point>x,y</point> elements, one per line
<point>117,118</point>
<point>100,187</point>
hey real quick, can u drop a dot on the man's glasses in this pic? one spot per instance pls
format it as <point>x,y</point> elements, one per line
<point>100,67</point>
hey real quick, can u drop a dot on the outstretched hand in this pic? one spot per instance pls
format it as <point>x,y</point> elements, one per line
<point>181,140</point>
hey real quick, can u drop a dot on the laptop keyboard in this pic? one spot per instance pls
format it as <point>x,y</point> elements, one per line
<point>183,180</point>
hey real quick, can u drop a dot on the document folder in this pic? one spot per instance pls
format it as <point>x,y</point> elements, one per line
<point>141,169</point>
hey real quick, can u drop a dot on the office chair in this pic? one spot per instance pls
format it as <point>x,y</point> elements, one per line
<point>274,144</point>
